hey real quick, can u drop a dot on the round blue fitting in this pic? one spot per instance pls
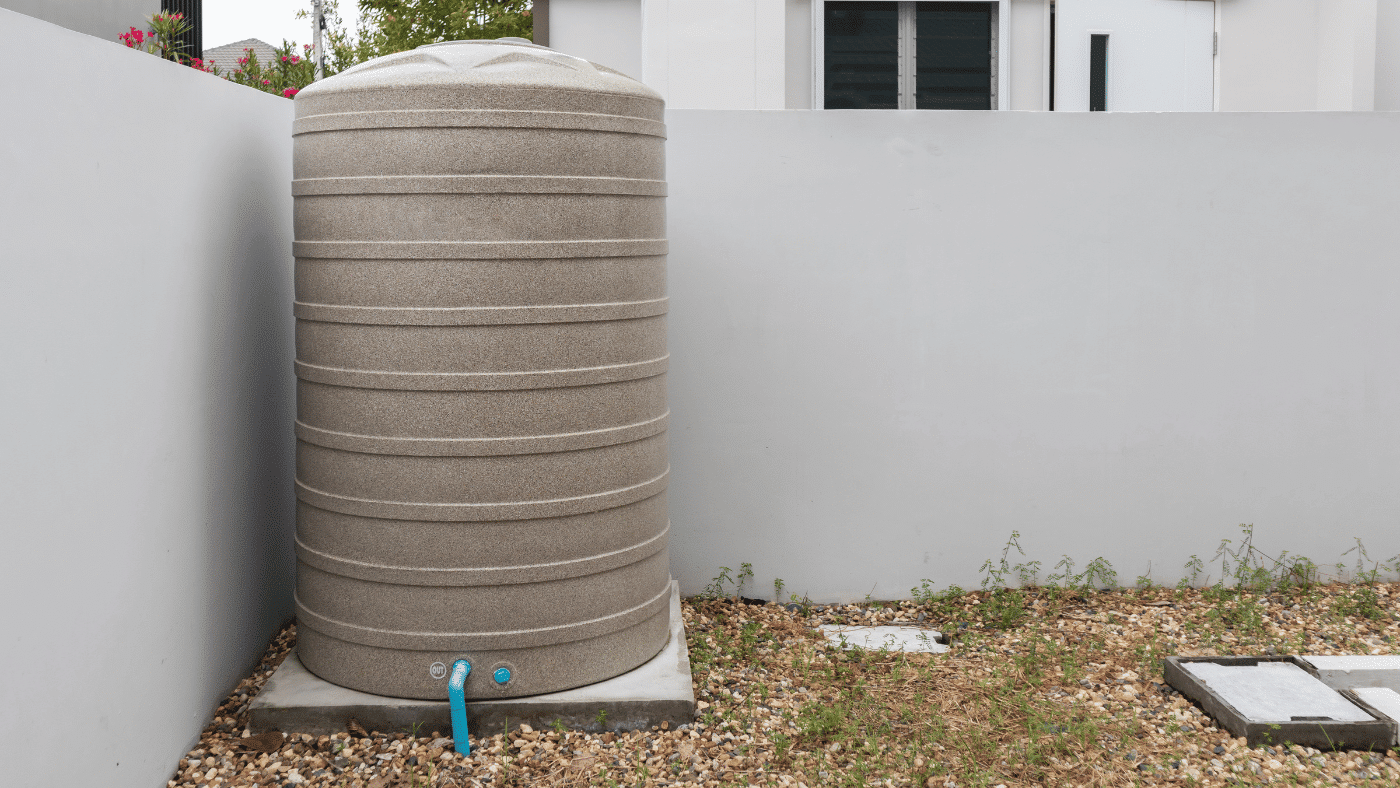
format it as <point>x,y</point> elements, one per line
<point>502,675</point>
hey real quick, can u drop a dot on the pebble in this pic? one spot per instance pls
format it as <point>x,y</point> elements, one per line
<point>1171,740</point>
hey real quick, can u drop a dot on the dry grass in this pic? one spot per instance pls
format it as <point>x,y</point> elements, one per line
<point>1041,687</point>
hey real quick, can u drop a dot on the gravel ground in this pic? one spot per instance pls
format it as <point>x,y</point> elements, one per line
<point>1040,687</point>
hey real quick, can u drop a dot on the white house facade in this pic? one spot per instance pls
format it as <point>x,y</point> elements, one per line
<point>1065,55</point>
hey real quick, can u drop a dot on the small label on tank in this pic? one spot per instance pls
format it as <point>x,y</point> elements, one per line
<point>437,670</point>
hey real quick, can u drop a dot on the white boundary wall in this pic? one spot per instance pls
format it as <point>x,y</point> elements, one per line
<point>145,301</point>
<point>896,337</point>
<point>105,19</point>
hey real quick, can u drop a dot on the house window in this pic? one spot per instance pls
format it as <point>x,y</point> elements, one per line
<point>909,55</point>
<point>1098,73</point>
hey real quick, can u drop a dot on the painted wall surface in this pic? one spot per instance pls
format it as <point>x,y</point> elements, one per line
<point>1346,61</point>
<point>798,53</point>
<point>1029,43</point>
<point>607,32</point>
<point>1159,54</point>
<point>1268,55</point>
<point>1298,55</point>
<point>896,337</point>
<point>145,298</point>
<point>105,19</point>
<point>1387,55</point>
<point>716,54</point>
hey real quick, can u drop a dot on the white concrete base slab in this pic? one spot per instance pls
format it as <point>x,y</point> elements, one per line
<point>1273,691</point>
<point>1352,671</point>
<point>297,701</point>
<point>909,639</point>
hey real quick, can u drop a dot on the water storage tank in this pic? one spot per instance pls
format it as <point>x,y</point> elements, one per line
<point>481,358</point>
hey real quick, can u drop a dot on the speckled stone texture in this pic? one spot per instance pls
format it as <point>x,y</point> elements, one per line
<point>481,357</point>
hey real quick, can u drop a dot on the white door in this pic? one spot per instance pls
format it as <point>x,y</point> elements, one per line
<point>1159,55</point>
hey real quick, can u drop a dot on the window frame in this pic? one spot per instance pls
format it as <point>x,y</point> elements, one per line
<point>1002,64</point>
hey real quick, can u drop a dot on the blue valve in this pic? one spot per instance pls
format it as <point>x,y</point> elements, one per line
<point>502,675</point>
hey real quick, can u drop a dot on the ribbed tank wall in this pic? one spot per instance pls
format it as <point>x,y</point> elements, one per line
<point>481,356</point>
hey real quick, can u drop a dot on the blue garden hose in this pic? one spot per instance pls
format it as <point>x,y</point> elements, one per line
<point>457,699</point>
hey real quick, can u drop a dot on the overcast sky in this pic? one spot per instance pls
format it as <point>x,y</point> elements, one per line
<point>227,21</point>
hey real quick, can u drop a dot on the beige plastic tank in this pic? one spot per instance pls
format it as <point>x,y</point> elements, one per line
<point>481,358</point>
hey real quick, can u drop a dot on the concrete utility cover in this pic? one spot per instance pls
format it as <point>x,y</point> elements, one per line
<point>1382,699</point>
<point>1275,692</point>
<point>888,638</point>
<point>1351,671</point>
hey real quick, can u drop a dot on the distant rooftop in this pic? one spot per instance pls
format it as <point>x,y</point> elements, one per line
<point>226,56</point>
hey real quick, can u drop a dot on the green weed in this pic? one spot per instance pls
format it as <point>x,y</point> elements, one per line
<point>724,585</point>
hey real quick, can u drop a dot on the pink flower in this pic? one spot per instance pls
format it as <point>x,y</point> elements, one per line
<point>267,82</point>
<point>295,59</point>
<point>284,59</point>
<point>289,92</point>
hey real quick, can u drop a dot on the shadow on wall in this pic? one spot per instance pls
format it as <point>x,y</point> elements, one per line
<point>250,400</point>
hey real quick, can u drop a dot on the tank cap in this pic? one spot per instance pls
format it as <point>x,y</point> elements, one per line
<point>502,675</point>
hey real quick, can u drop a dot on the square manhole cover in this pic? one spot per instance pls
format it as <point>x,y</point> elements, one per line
<point>1274,700</point>
<point>888,638</point>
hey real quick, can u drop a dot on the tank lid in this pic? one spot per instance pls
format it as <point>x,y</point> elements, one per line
<point>498,63</point>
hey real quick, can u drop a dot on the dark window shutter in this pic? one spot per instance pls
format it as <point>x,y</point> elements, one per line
<point>862,55</point>
<point>1098,73</point>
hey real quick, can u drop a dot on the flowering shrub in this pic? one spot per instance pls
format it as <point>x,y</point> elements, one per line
<point>163,40</point>
<point>139,39</point>
<point>391,26</point>
<point>287,74</point>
